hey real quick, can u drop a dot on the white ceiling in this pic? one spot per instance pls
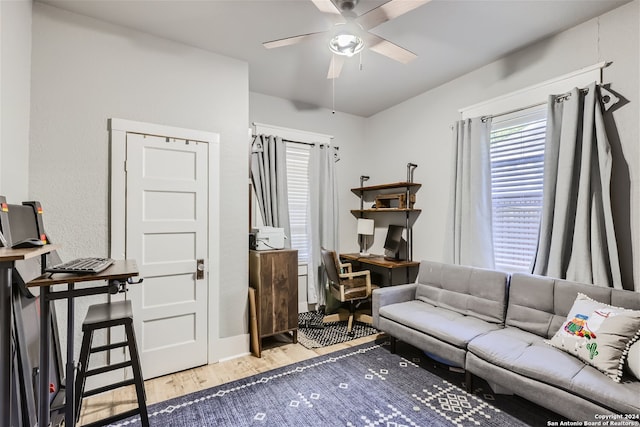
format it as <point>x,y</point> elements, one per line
<point>450,37</point>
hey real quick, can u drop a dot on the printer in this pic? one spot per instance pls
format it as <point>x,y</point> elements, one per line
<point>268,238</point>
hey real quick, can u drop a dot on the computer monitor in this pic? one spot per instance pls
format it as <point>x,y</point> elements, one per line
<point>393,241</point>
<point>22,222</point>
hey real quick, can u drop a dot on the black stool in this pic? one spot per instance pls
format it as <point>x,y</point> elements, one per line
<point>101,316</point>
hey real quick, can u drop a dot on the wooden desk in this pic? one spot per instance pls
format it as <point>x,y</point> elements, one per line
<point>117,276</point>
<point>384,272</point>
<point>7,259</point>
<point>119,270</point>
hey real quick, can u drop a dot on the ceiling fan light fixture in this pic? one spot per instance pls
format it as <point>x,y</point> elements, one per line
<point>346,44</point>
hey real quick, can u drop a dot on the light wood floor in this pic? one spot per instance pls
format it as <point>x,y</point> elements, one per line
<point>276,352</point>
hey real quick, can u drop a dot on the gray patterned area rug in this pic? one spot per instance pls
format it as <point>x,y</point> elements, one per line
<point>361,386</point>
<point>312,333</point>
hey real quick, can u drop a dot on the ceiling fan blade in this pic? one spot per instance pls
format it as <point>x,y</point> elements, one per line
<point>292,40</point>
<point>386,48</point>
<point>387,11</point>
<point>327,6</point>
<point>335,67</point>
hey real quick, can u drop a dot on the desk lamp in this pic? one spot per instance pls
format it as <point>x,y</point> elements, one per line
<point>365,228</point>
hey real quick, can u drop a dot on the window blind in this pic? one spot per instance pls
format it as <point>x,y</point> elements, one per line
<point>298,156</point>
<point>517,165</point>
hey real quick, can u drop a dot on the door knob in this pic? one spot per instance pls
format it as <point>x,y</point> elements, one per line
<point>200,269</point>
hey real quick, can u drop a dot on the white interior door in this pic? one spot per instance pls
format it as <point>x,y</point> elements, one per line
<point>166,232</point>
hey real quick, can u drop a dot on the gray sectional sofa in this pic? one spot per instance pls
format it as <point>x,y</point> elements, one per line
<point>496,325</point>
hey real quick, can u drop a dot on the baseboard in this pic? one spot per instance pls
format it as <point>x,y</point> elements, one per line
<point>304,307</point>
<point>230,348</point>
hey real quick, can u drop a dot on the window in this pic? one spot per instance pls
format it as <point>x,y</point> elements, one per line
<point>298,191</point>
<point>298,157</point>
<point>517,164</point>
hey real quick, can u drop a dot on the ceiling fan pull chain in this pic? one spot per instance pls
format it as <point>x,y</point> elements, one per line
<point>333,96</point>
<point>360,61</point>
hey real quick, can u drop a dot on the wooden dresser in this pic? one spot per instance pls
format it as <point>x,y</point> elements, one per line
<point>273,295</point>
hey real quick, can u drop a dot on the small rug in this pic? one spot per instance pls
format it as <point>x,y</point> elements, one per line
<point>312,333</point>
<point>365,385</point>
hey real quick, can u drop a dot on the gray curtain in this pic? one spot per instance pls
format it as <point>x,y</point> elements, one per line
<point>577,240</point>
<point>324,212</point>
<point>469,236</point>
<point>269,178</point>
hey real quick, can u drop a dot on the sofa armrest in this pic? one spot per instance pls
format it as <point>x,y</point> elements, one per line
<point>390,295</point>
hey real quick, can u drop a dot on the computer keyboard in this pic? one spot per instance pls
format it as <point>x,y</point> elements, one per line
<point>81,265</point>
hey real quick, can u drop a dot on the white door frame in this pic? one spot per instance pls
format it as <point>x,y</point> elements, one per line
<point>118,129</point>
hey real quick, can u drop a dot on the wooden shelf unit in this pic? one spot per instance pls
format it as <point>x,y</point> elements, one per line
<point>411,186</point>
<point>408,189</point>
<point>357,212</point>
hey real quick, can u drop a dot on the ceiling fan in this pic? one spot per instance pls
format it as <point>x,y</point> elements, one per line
<point>350,33</point>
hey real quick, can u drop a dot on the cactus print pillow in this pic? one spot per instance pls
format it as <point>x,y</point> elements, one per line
<point>599,334</point>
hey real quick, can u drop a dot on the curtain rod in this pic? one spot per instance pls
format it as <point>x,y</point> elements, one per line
<point>564,78</point>
<point>559,98</point>
<point>279,130</point>
<point>515,110</point>
<point>313,144</point>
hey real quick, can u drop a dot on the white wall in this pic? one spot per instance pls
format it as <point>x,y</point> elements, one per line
<point>15,69</point>
<point>85,71</point>
<point>419,129</point>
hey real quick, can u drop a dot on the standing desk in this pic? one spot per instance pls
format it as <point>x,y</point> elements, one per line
<point>8,257</point>
<point>117,276</point>
<point>384,272</point>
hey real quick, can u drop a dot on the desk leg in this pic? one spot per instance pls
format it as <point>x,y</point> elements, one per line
<point>6,320</point>
<point>45,340</point>
<point>70,413</point>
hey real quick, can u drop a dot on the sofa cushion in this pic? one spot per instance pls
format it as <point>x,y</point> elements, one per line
<point>594,385</point>
<point>531,304</point>
<point>526,354</point>
<point>465,290</point>
<point>446,325</point>
<point>599,334</point>
<point>540,304</point>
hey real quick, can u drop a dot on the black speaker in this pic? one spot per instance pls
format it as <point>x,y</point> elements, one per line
<point>252,241</point>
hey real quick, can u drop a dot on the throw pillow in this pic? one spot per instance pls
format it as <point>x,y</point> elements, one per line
<point>599,334</point>
<point>633,360</point>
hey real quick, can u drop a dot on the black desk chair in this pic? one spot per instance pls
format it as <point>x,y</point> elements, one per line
<point>102,316</point>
